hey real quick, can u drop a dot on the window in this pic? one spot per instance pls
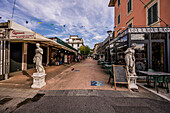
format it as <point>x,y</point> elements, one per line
<point>119,19</point>
<point>153,14</point>
<point>130,25</point>
<point>72,45</point>
<point>78,45</point>
<point>118,3</point>
<point>129,5</point>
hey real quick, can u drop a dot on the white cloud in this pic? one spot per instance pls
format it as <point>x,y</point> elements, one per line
<point>95,15</point>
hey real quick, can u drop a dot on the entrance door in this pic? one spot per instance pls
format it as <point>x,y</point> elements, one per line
<point>158,55</point>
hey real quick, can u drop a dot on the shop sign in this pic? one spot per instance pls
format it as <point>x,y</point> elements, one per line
<point>149,30</point>
<point>16,34</point>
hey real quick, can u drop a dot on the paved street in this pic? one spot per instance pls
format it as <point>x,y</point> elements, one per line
<point>81,77</point>
<point>71,91</point>
<point>96,101</point>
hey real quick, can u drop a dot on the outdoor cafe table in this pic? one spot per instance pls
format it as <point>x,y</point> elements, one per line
<point>103,64</point>
<point>108,66</point>
<point>155,76</point>
<point>99,62</point>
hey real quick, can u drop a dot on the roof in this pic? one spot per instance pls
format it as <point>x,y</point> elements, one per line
<point>63,43</point>
<point>22,31</point>
<point>112,3</point>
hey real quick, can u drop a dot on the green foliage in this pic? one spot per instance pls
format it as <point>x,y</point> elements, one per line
<point>87,50</point>
<point>84,50</point>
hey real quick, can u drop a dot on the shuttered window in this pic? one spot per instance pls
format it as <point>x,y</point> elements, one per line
<point>153,14</point>
<point>119,19</point>
<point>129,6</point>
<point>130,25</point>
<point>118,3</point>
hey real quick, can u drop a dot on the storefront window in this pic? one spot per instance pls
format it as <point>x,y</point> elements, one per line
<point>121,55</point>
<point>146,36</point>
<point>158,36</point>
<point>141,56</point>
<point>158,56</point>
<point>56,57</point>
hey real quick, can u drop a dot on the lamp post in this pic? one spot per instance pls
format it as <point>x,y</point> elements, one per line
<point>109,33</point>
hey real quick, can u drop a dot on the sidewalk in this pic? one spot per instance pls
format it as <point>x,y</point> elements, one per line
<point>17,89</point>
<point>162,91</point>
<point>11,97</point>
<point>23,80</point>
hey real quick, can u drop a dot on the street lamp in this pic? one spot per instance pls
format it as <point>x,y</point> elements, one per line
<point>109,33</point>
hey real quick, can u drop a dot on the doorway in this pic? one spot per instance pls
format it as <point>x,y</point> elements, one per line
<point>158,56</point>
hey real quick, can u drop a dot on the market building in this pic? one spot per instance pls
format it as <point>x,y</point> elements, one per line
<point>146,23</point>
<point>17,48</point>
<point>58,56</point>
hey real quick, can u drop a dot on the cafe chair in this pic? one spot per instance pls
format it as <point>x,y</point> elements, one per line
<point>156,80</point>
<point>167,80</point>
<point>111,76</point>
<point>148,78</point>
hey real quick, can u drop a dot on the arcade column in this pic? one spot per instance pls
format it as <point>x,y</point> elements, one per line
<point>24,56</point>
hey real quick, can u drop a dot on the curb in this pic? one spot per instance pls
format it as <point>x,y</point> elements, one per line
<point>154,92</point>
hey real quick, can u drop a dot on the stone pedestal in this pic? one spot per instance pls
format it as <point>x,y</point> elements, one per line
<point>38,80</point>
<point>132,82</point>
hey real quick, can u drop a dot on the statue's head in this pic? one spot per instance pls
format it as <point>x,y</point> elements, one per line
<point>133,45</point>
<point>38,45</point>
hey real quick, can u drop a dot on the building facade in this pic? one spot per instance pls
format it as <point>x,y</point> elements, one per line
<point>140,13</point>
<point>95,51</point>
<point>17,48</point>
<point>75,41</point>
<point>145,23</point>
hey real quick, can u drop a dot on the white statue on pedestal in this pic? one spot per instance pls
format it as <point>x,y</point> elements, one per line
<point>38,59</point>
<point>130,66</point>
<point>39,76</point>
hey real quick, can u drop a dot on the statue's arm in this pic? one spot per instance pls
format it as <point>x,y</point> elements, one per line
<point>41,51</point>
<point>127,51</point>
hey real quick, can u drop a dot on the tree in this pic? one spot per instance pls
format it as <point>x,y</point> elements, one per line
<point>87,50</point>
<point>84,50</point>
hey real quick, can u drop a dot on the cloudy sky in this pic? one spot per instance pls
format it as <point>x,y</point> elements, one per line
<point>89,19</point>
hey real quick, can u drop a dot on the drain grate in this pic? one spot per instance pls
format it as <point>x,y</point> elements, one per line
<point>5,100</point>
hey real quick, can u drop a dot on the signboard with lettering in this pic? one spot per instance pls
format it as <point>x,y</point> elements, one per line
<point>16,34</point>
<point>120,74</point>
<point>149,30</point>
